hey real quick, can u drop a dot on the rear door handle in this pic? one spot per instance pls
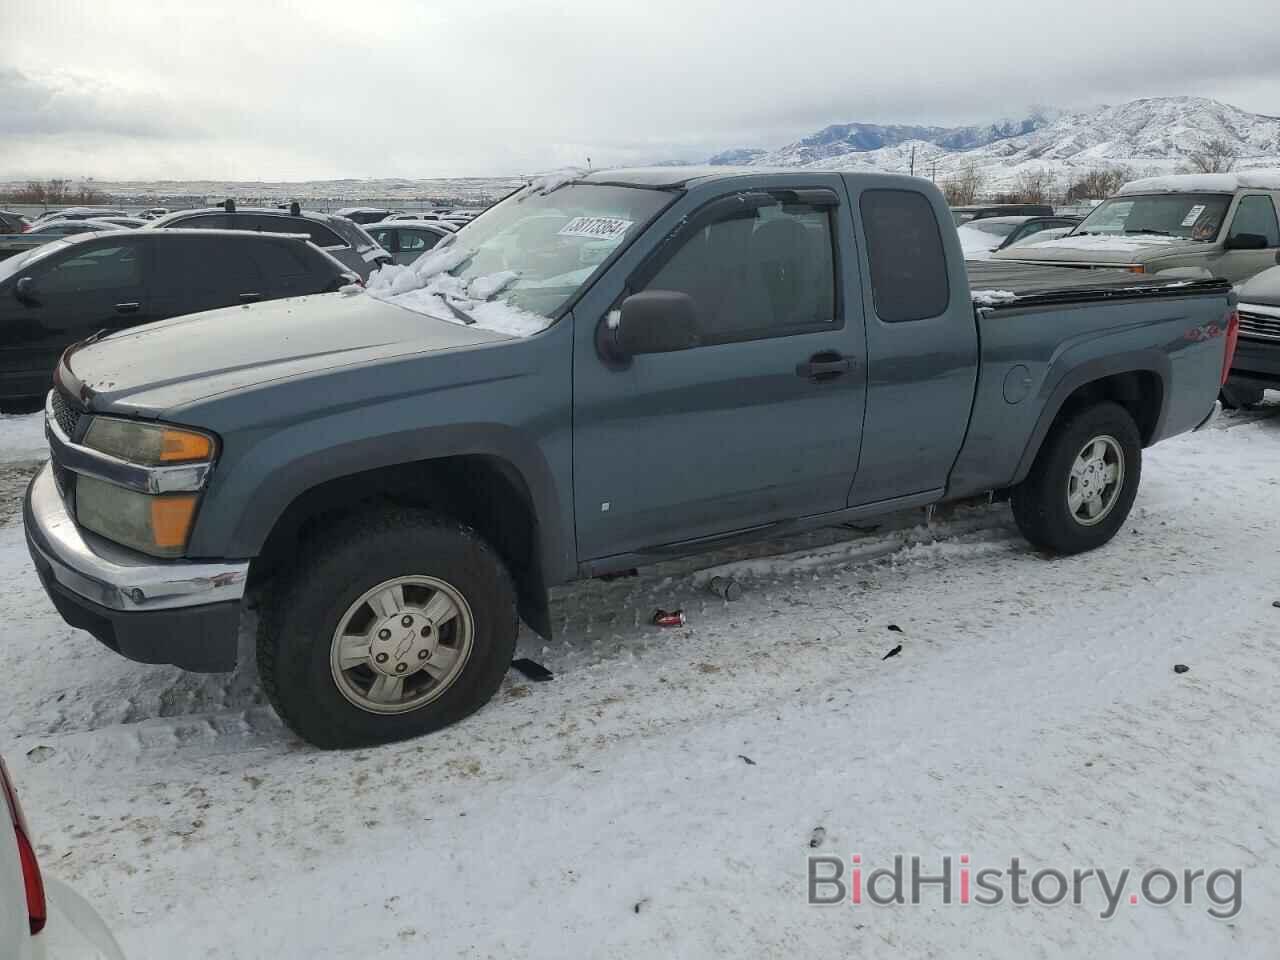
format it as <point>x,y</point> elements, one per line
<point>250,297</point>
<point>824,366</point>
<point>131,307</point>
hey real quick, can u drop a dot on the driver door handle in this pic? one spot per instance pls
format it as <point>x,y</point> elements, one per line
<point>250,297</point>
<point>824,366</point>
<point>129,307</point>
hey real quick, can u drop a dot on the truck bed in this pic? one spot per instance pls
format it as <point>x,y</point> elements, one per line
<point>1009,284</point>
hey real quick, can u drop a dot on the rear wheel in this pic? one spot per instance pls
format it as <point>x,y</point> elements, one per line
<point>394,624</point>
<point>1235,398</point>
<point>1083,482</point>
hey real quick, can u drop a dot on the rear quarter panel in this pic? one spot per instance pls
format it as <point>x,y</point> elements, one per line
<point>1033,358</point>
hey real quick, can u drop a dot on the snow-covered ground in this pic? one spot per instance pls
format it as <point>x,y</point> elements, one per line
<point>659,797</point>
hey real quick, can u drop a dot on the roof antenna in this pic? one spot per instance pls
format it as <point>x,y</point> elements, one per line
<point>229,205</point>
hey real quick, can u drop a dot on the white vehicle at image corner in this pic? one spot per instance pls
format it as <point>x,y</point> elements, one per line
<point>41,918</point>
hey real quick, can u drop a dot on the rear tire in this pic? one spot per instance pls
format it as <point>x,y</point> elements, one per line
<point>1083,482</point>
<point>1237,398</point>
<point>393,624</point>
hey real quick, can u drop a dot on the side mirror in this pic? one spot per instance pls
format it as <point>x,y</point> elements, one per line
<point>25,290</point>
<point>1246,241</point>
<point>654,321</point>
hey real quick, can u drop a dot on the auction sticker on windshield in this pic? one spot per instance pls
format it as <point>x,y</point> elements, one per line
<point>596,228</point>
<point>1193,215</point>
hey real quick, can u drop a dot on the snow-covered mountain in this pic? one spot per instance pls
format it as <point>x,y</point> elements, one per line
<point>1156,135</point>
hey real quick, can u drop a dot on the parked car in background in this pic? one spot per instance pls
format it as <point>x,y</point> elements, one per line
<point>64,291</point>
<point>407,240</point>
<point>343,239</point>
<point>41,918</point>
<point>83,213</point>
<point>435,216</point>
<point>1217,224</point>
<point>152,213</point>
<point>363,215</point>
<point>980,238</point>
<point>963,215</point>
<point>52,229</point>
<point>13,222</point>
<point>390,476</point>
<point>1256,367</point>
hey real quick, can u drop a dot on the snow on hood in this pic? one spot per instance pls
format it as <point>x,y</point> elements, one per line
<point>1261,179</point>
<point>426,286</point>
<point>1116,243</point>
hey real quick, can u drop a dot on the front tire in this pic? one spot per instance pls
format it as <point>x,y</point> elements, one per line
<point>1083,482</point>
<point>393,624</point>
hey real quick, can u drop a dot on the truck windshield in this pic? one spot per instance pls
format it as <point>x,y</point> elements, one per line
<point>1189,216</point>
<point>553,241</point>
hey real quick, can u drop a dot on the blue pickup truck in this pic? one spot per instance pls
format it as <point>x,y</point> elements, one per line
<point>603,370</point>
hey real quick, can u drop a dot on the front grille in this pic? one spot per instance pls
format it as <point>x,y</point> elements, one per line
<point>67,416</point>
<point>1257,326</point>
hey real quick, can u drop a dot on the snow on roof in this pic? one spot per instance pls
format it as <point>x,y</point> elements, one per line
<point>1261,179</point>
<point>347,211</point>
<point>551,182</point>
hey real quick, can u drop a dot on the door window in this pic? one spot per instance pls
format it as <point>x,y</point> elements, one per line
<point>204,264</point>
<point>770,274</point>
<point>417,241</point>
<point>1257,215</point>
<point>909,279</point>
<point>102,268</point>
<point>383,238</point>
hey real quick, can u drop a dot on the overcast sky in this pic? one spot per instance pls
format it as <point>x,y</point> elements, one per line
<point>272,90</point>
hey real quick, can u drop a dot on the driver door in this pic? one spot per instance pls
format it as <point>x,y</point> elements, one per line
<point>739,431</point>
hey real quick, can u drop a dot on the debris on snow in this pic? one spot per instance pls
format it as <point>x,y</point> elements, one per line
<point>532,669</point>
<point>668,618</point>
<point>893,653</point>
<point>1180,668</point>
<point>894,627</point>
<point>815,839</point>
<point>726,587</point>
<point>747,760</point>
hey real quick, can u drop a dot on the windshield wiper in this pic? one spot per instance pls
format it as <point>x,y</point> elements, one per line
<point>1154,233</point>
<point>458,311</point>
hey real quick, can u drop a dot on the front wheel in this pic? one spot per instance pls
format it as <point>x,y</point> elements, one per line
<point>1083,482</point>
<point>394,624</point>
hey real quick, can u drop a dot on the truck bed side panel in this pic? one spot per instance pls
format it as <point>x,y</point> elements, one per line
<point>1033,358</point>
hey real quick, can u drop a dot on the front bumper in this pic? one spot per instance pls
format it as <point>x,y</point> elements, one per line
<point>185,613</point>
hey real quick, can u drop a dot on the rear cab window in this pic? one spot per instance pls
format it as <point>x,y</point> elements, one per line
<point>909,275</point>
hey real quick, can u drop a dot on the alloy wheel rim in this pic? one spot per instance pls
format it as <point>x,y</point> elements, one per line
<point>1095,480</point>
<point>402,644</point>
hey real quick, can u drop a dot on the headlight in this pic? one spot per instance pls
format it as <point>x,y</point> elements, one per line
<point>150,444</point>
<point>158,525</point>
<point>152,505</point>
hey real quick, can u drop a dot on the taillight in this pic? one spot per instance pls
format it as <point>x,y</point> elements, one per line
<point>37,907</point>
<point>1233,335</point>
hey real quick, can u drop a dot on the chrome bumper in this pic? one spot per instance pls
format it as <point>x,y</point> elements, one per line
<point>112,576</point>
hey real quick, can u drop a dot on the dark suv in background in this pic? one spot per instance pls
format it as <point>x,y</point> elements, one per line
<point>67,290</point>
<point>338,236</point>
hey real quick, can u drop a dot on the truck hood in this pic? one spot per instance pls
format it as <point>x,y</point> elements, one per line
<point>163,365</point>
<point>1097,249</point>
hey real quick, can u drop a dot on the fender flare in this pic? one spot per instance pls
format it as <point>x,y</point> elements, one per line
<point>1137,361</point>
